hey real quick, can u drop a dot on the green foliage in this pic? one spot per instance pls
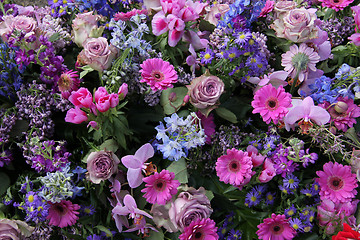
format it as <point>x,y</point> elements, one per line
<point>172,99</point>
<point>180,169</point>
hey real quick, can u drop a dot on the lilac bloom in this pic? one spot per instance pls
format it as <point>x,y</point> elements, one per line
<point>130,208</point>
<point>307,112</point>
<point>136,163</point>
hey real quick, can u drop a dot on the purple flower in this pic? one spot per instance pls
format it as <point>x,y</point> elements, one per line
<point>232,53</point>
<point>136,163</point>
<point>130,208</point>
<point>270,197</point>
<point>252,198</point>
<point>207,56</point>
<point>291,181</point>
<point>296,224</point>
<point>289,212</point>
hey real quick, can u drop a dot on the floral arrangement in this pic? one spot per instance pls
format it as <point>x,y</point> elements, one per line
<point>180,119</point>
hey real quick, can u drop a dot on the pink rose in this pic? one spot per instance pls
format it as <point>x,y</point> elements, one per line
<point>283,7</point>
<point>101,165</point>
<point>75,115</point>
<point>189,206</point>
<point>97,53</point>
<point>27,25</point>
<point>215,12</point>
<point>81,98</point>
<point>14,229</point>
<point>205,91</point>
<point>85,25</point>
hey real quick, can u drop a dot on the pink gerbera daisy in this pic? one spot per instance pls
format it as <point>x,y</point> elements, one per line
<point>336,4</point>
<point>63,214</point>
<point>68,82</point>
<point>337,183</point>
<point>275,228</point>
<point>158,73</point>
<point>160,187</point>
<point>200,229</point>
<point>234,167</point>
<point>271,103</point>
<point>299,61</point>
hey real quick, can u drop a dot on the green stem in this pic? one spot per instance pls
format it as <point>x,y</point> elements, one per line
<point>2,8</point>
<point>293,86</point>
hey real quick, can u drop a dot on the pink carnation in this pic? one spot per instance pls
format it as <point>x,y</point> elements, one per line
<point>235,167</point>
<point>158,74</point>
<point>63,214</point>
<point>277,227</point>
<point>337,183</point>
<point>160,187</point>
<point>271,103</point>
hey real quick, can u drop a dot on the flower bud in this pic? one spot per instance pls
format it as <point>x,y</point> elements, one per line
<point>341,107</point>
<point>172,97</point>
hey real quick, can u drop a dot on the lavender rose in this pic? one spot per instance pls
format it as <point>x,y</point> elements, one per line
<point>281,8</point>
<point>14,229</point>
<point>27,25</point>
<point>101,165</point>
<point>97,53</point>
<point>189,206</point>
<point>298,25</point>
<point>205,91</point>
<point>85,26</point>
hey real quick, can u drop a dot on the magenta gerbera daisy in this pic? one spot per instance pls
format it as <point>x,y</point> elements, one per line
<point>158,74</point>
<point>299,61</point>
<point>68,82</point>
<point>336,4</point>
<point>200,229</point>
<point>277,227</point>
<point>271,103</point>
<point>337,183</point>
<point>160,187</point>
<point>234,167</point>
<point>63,214</point>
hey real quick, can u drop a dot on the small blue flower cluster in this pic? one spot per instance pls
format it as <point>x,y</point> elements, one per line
<point>102,7</point>
<point>179,135</point>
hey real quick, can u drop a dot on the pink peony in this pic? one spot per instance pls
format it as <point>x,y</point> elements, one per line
<point>235,167</point>
<point>200,229</point>
<point>75,115</point>
<point>81,98</point>
<point>160,187</point>
<point>299,61</point>
<point>158,74</point>
<point>336,5</point>
<point>271,103</point>
<point>277,227</point>
<point>337,183</point>
<point>63,214</point>
<point>68,82</point>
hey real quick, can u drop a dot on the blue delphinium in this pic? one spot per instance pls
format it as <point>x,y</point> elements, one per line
<point>322,90</point>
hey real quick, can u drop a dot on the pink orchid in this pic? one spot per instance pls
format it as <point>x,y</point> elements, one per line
<point>307,111</point>
<point>136,163</point>
<point>130,208</point>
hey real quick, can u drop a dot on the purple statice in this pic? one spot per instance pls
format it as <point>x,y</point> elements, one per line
<point>252,198</point>
<point>36,207</point>
<point>338,29</point>
<point>296,224</point>
<point>41,231</point>
<point>207,56</point>
<point>306,158</point>
<point>34,104</point>
<point>291,181</point>
<point>269,198</point>
<point>7,122</point>
<point>290,212</point>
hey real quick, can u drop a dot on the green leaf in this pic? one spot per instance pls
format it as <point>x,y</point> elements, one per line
<point>209,194</point>
<point>5,182</point>
<point>226,114</point>
<point>86,69</point>
<point>105,230</point>
<point>180,170</point>
<point>109,145</point>
<point>54,37</point>
<point>178,93</point>
<point>156,235</point>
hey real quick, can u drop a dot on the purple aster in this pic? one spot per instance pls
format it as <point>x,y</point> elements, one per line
<point>307,226</point>
<point>257,144</point>
<point>296,224</point>
<point>307,214</point>
<point>252,198</point>
<point>289,212</point>
<point>286,190</point>
<point>283,165</point>
<point>207,56</point>
<point>220,54</point>
<point>270,197</point>
<point>26,186</point>
<point>242,37</point>
<point>36,207</point>
<point>291,181</point>
<point>260,189</point>
<point>232,53</point>
<point>233,235</point>
<point>87,210</point>
<point>308,192</point>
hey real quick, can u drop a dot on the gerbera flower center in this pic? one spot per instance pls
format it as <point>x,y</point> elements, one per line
<point>234,166</point>
<point>277,230</point>
<point>272,104</point>
<point>159,185</point>
<point>64,83</point>
<point>336,183</point>
<point>158,76</point>
<point>60,209</point>
<point>198,235</point>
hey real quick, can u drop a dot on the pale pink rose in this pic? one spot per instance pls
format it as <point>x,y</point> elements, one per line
<point>114,100</point>
<point>100,92</point>
<point>75,115</point>
<point>101,165</point>
<point>26,11</point>
<point>20,23</point>
<point>85,26</point>
<point>283,7</point>
<point>97,53</point>
<point>268,172</point>
<point>205,91</point>
<point>215,12</point>
<point>298,25</point>
<point>81,98</point>
<point>103,104</point>
<point>269,6</point>
<point>14,229</point>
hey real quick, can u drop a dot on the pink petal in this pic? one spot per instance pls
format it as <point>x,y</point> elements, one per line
<point>294,114</point>
<point>134,177</point>
<point>130,203</point>
<point>131,161</point>
<point>174,37</point>
<point>319,115</point>
<point>159,24</point>
<point>120,210</point>
<point>145,152</point>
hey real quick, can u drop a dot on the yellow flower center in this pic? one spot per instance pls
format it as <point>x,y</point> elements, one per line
<point>31,198</point>
<point>291,181</point>
<point>231,55</point>
<point>270,197</point>
<point>251,41</point>
<point>253,198</point>
<point>295,226</point>
<point>291,212</point>
<point>242,36</point>
<point>207,56</point>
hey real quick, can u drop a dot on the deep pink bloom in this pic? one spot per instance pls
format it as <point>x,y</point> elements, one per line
<point>268,172</point>
<point>81,98</point>
<point>275,228</point>
<point>159,24</point>
<point>337,183</point>
<point>208,125</point>
<point>307,112</point>
<point>343,113</point>
<point>336,5</point>
<point>103,103</point>
<point>126,16</point>
<point>136,164</point>
<point>271,103</point>
<point>158,74</point>
<point>235,167</point>
<point>123,91</point>
<point>160,187</point>
<point>356,10</point>
<point>269,6</point>
<point>63,214</point>
<point>100,92</point>
<point>200,229</point>
<point>114,100</point>
<point>256,158</point>
<point>76,115</point>
<point>68,82</point>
